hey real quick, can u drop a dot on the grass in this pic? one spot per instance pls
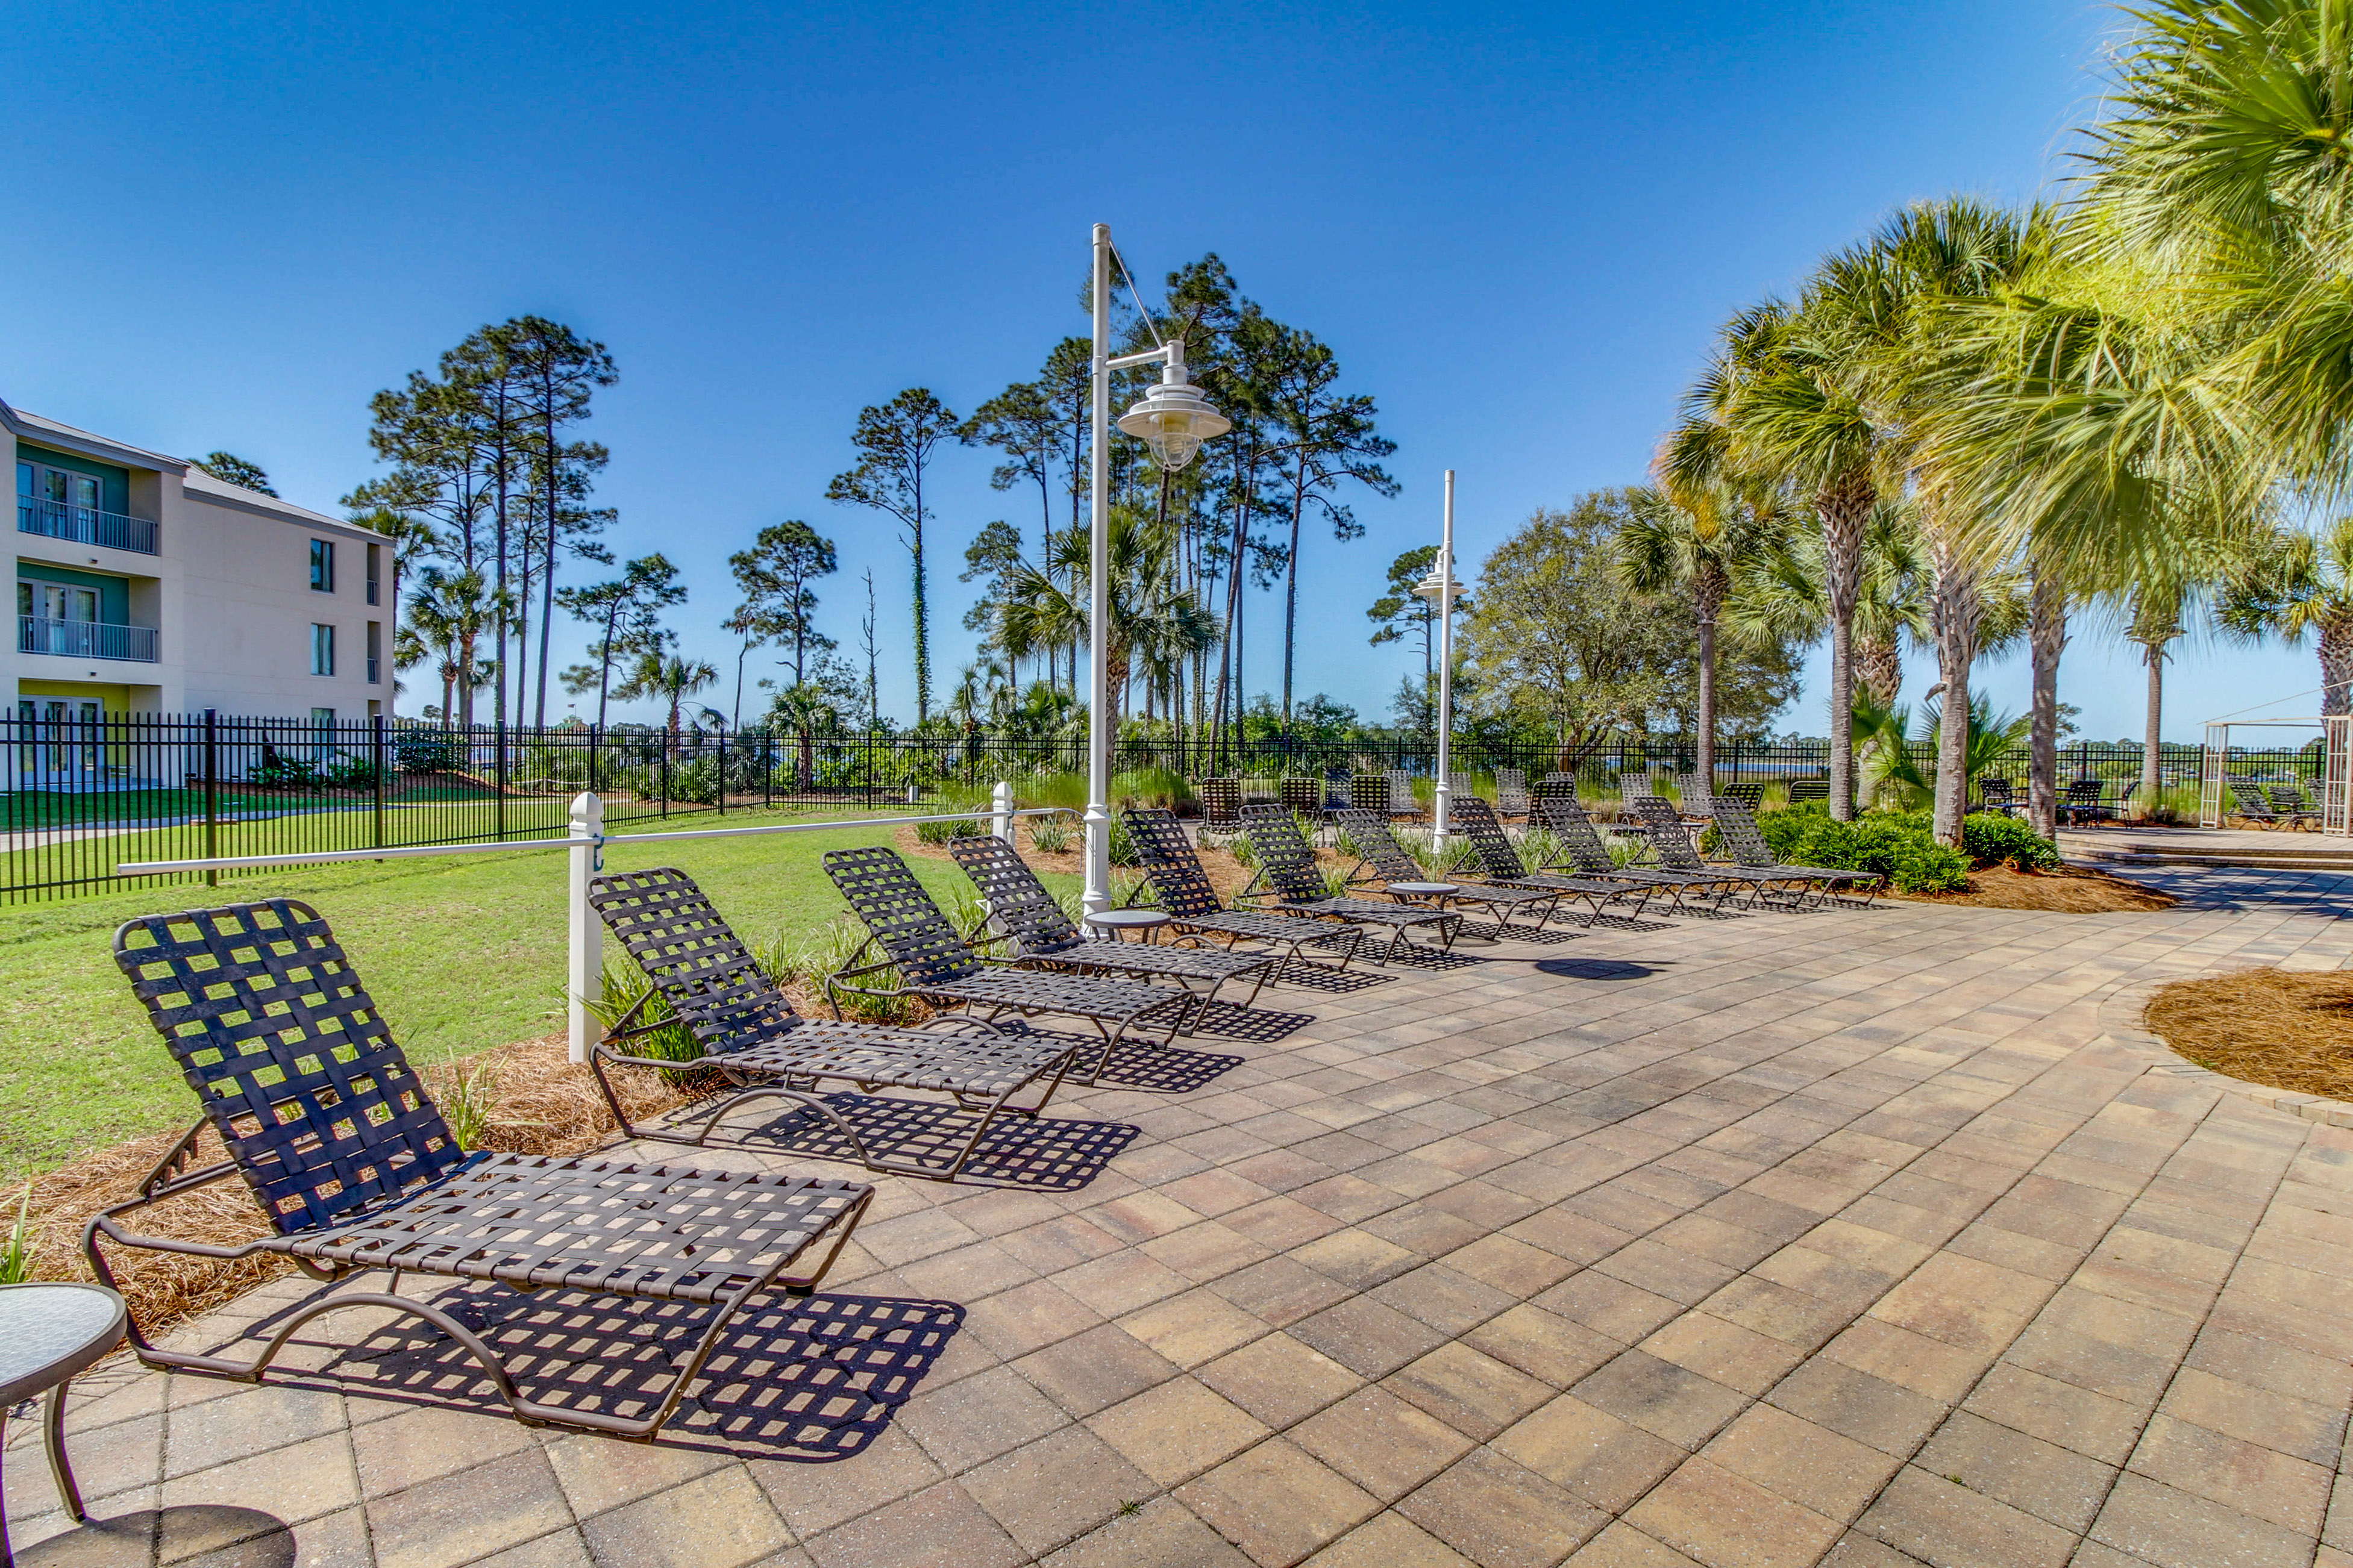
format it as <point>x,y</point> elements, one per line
<point>463,953</point>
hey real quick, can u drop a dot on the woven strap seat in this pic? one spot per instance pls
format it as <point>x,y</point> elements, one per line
<point>1041,934</point>
<point>1669,841</point>
<point>1377,848</point>
<point>1502,863</point>
<point>1746,841</point>
<point>1287,865</point>
<point>1573,831</point>
<point>326,1120</point>
<point>745,1024</point>
<point>934,964</point>
<point>1182,886</point>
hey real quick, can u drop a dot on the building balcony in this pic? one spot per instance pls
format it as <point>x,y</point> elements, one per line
<point>86,639</point>
<point>85,525</point>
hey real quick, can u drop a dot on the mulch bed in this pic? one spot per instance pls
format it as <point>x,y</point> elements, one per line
<point>2291,1031</point>
<point>540,1104</point>
<point>2070,889</point>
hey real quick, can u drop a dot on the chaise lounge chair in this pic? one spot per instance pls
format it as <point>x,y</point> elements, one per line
<point>1737,827</point>
<point>1672,844</point>
<point>749,1032</point>
<point>2294,807</point>
<point>1377,848</point>
<point>1181,884</point>
<point>2247,800</point>
<point>326,1120</point>
<point>936,967</point>
<point>1588,856</point>
<point>1043,937</point>
<point>1287,865</point>
<point>1501,864</point>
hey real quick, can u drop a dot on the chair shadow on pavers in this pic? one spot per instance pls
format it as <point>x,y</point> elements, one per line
<point>1596,968</point>
<point>1250,1025</point>
<point>810,1378</point>
<point>220,1533</point>
<point>1040,1153</point>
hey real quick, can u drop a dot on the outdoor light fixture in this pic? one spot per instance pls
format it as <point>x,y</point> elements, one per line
<point>1443,593</point>
<point>1173,419</point>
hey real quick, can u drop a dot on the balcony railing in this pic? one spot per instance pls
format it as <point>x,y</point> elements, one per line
<point>86,525</point>
<point>85,639</point>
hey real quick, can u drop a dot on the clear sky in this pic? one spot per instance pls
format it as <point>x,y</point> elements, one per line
<point>1516,224</point>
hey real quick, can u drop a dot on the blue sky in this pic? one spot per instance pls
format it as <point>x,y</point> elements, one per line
<point>1517,226</point>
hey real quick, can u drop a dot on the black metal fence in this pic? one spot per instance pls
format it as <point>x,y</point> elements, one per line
<point>81,792</point>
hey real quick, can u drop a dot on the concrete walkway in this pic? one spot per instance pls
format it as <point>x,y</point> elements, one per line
<point>1844,1236</point>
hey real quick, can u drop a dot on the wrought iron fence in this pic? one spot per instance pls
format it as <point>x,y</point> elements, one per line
<point>82,792</point>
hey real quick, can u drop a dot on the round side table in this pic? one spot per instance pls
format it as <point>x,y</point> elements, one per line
<point>1146,923</point>
<point>47,1333</point>
<point>1424,889</point>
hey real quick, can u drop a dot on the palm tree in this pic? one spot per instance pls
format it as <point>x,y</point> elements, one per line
<point>2297,585</point>
<point>448,615</point>
<point>665,675</point>
<point>1782,598</point>
<point>1152,619</point>
<point>1696,540</point>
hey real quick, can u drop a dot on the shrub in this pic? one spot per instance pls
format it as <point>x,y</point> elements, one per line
<point>941,832</point>
<point>1052,834</point>
<point>1896,844</point>
<point>424,751</point>
<point>1989,838</point>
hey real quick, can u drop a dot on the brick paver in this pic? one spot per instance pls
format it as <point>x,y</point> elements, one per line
<point>1840,1236</point>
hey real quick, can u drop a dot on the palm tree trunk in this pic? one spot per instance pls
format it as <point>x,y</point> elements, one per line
<point>1955,603</point>
<point>2047,635</point>
<point>1844,507</point>
<point>1878,666</point>
<point>2337,665</point>
<point>1708,602</point>
<point>2151,778</point>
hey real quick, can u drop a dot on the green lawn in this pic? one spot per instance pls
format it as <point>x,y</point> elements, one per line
<point>463,953</point>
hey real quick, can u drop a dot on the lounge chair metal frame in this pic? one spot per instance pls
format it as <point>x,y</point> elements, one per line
<point>1574,832</point>
<point>1379,856</point>
<point>1173,873</point>
<point>2248,800</point>
<point>2294,807</point>
<point>1501,865</point>
<point>1737,827</point>
<point>1671,842</point>
<point>936,966</point>
<point>750,1032</point>
<point>1292,878</point>
<point>355,1167</point>
<point>2082,802</point>
<point>1041,936</point>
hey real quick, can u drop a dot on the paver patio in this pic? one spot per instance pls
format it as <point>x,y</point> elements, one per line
<point>1841,1236</point>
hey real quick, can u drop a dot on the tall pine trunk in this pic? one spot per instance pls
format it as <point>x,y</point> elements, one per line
<point>1955,603</point>
<point>2047,639</point>
<point>1845,508</point>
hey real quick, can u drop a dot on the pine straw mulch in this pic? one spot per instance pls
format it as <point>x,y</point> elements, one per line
<point>2070,889</point>
<point>2291,1031</point>
<point>539,1103</point>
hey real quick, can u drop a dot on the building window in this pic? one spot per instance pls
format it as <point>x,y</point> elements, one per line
<point>323,650</point>
<point>323,726</point>
<point>375,553</point>
<point>323,566</point>
<point>375,652</point>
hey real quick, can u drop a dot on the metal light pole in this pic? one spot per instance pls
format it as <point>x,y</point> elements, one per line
<point>1173,420</point>
<point>1439,590</point>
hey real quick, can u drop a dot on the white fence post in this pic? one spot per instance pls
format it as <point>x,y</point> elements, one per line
<point>586,975</point>
<point>1001,805</point>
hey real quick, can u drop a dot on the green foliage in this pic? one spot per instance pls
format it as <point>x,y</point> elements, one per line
<point>16,1252</point>
<point>1899,845</point>
<point>424,751</point>
<point>1052,834</point>
<point>941,832</point>
<point>1991,838</point>
<point>466,1104</point>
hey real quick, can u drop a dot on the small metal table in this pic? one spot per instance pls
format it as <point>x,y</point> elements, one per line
<point>1424,889</point>
<point>47,1333</point>
<point>1146,922</point>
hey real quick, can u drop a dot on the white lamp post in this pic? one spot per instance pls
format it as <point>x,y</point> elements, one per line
<point>1173,420</point>
<point>1441,589</point>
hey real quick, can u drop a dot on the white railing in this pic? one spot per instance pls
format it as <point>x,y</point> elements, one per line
<point>85,524</point>
<point>586,838</point>
<point>85,639</point>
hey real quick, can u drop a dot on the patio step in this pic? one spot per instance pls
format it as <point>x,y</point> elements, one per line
<point>2328,855</point>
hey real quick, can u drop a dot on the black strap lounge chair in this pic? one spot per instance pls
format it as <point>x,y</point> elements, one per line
<point>2294,807</point>
<point>1500,864</point>
<point>1747,795</point>
<point>2083,803</point>
<point>1379,856</point>
<point>1671,842</point>
<point>1511,792</point>
<point>326,1120</point>
<point>2247,800</point>
<point>1588,856</point>
<point>1042,937</point>
<point>1994,794</point>
<point>749,1032</point>
<point>910,935</point>
<point>1287,867</point>
<point>1177,880</point>
<point>1737,827</point>
<point>1402,798</point>
<point>1803,791</point>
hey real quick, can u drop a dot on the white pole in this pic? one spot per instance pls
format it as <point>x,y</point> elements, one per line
<point>1097,897</point>
<point>1001,811</point>
<point>1444,792</point>
<point>586,975</point>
